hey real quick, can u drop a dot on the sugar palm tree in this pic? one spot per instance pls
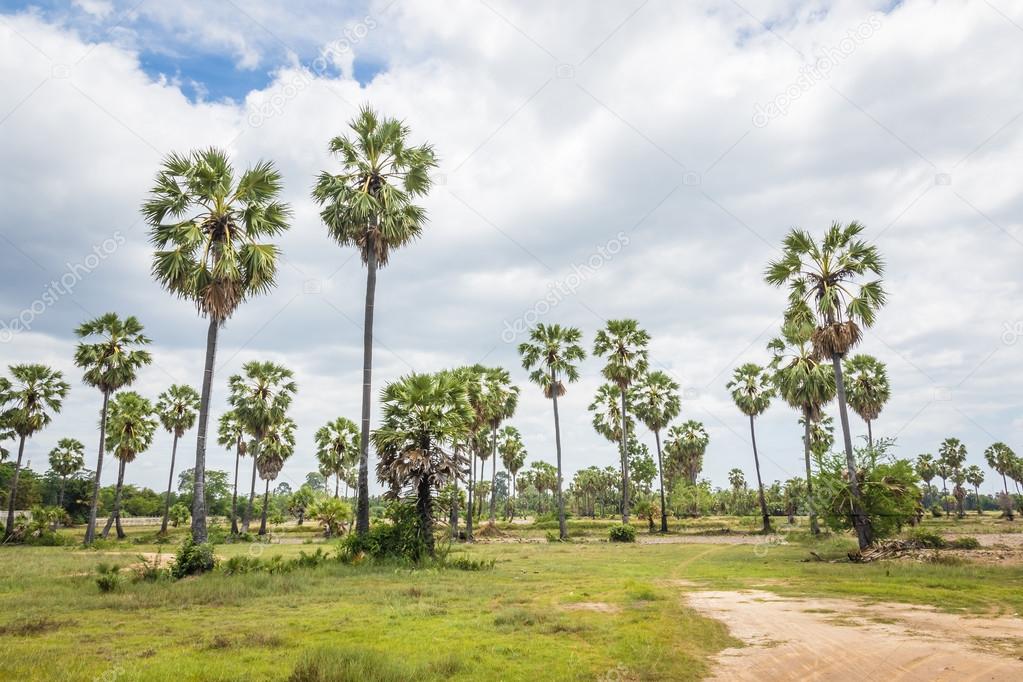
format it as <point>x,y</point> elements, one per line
<point>944,472</point>
<point>504,398</point>
<point>476,440</point>
<point>752,391</point>
<point>209,232</point>
<point>925,469</point>
<point>1000,457</point>
<point>369,205</point>
<point>551,356</point>
<point>29,400</point>
<point>176,407</point>
<point>231,434</point>
<point>974,476</point>
<point>423,416</point>
<point>111,353</point>
<point>608,421</point>
<point>736,479</point>
<point>513,457</point>
<point>337,448</point>
<point>276,446</point>
<point>624,346</point>
<point>131,429</point>
<point>952,454</point>
<point>826,290</point>
<point>686,445</point>
<point>260,398</point>
<point>67,459</point>
<point>656,402</point>
<point>6,432</point>
<point>806,384</point>
<point>867,389</point>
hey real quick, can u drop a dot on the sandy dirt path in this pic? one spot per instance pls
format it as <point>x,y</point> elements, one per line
<point>836,639</point>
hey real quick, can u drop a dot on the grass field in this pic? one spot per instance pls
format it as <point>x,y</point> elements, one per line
<point>547,611</point>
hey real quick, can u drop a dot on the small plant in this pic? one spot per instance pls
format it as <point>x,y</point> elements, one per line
<point>108,577</point>
<point>464,563</point>
<point>928,539</point>
<point>241,564</point>
<point>622,532</point>
<point>965,542</point>
<point>193,559</point>
<point>178,514</point>
<point>149,570</point>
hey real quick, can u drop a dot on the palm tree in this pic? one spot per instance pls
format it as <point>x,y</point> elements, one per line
<point>624,345</point>
<point>231,434</point>
<point>260,398</point>
<point>550,356</point>
<point>736,479</point>
<point>823,280</point>
<point>132,426</point>
<point>606,408</point>
<point>868,389</point>
<point>29,400</point>
<point>67,459</point>
<point>110,363</point>
<point>276,445</point>
<point>656,402</point>
<point>368,205</point>
<point>925,469</point>
<point>176,408</point>
<point>513,457</point>
<point>208,230</point>
<point>504,398</point>
<point>1001,458</point>
<point>944,471</point>
<point>476,440</point>
<point>337,448</point>
<point>804,383</point>
<point>974,476</point>
<point>752,392</point>
<point>952,454</point>
<point>424,415</point>
<point>686,445</point>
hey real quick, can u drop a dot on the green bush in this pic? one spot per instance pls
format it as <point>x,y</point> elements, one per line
<point>965,542</point>
<point>464,563</point>
<point>622,532</point>
<point>937,512</point>
<point>178,514</point>
<point>398,539</point>
<point>927,539</point>
<point>193,559</point>
<point>108,577</point>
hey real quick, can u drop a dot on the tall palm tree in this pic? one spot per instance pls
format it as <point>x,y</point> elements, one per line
<point>624,345</point>
<point>132,425</point>
<point>656,402</point>
<point>110,363</point>
<point>504,398</point>
<point>6,431</point>
<point>824,279</point>
<point>868,389</point>
<point>276,445</point>
<point>513,457</point>
<point>30,399</point>
<point>231,434</point>
<point>806,384</point>
<point>260,397</point>
<point>176,407</point>
<point>337,448</point>
<point>476,438</point>
<point>952,454</point>
<point>686,445</point>
<point>424,415</point>
<point>369,205</point>
<point>925,469</point>
<point>67,459</point>
<point>607,421</point>
<point>1000,457</point>
<point>551,356</point>
<point>752,391</point>
<point>209,230</point>
<point>974,476</point>
<point>944,472</point>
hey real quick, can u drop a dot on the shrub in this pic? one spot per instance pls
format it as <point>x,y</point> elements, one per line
<point>108,577</point>
<point>928,539</point>
<point>398,539</point>
<point>622,532</point>
<point>178,514</point>
<point>192,559</point>
<point>937,512</point>
<point>241,564</point>
<point>464,563</point>
<point>331,513</point>
<point>150,571</point>
<point>965,542</point>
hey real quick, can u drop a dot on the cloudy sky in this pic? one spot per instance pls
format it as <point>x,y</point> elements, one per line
<point>640,159</point>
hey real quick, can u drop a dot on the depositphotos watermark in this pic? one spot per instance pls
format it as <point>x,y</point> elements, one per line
<point>559,290</point>
<point>820,69</point>
<point>62,286</point>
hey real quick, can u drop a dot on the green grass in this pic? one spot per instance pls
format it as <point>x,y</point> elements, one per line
<point>546,611</point>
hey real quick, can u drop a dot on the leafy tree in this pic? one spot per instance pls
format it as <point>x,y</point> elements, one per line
<point>369,205</point>
<point>952,455</point>
<point>29,400</point>
<point>131,428</point>
<point>686,445</point>
<point>337,449</point>
<point>67,459</point>
<point>207,230</point>
<point>656,402</point>
<point>825,290</point>
<point>423,416</point>
<point>752,390</point>
<point>868,389</point>
<point>317,481</point>
<point>176,407</point>
<point>231,434</point>
<point>300,501</point>
<point>1001,458</point>
<point>624,345</point>
<point>109,363</point>
<point>218,490</point>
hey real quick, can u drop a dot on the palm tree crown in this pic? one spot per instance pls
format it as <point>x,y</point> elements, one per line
<point>131,426</point>
<point>867,385</point>
<point>337,446</point>
<point>685,445</point>
<point>752,389</point>
<point>624,345</point>
<point>231,432</point>
<point>655,400</point>
<point>261,396</point>
<point>68,457</point>
<point>114,360</point>
<point>551,355</point>
<point>177,408</point>
<point>801,379</point>
<point>36,393</point>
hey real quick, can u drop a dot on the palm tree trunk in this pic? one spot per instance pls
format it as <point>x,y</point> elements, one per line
<point>199,482</point>
<point>562,526</point>
<point>362,511</point>
<point>976,496</point>
<point>266,501</point>
<point>811,507</point>
<point>337,485</point>
<point>660,473</point>
<point>14,489</point>
<point>170,481</point>
<point>247,518</point>
<point>424,507</point>
<point>60,497</point>
<point>468,499</point>
<point>90,530</point>
<point>870,435</point>
<point>944,497</point>
<point>234,495</point>
<point>760,485</point>
<point>1008,499</point>
<point>861,523</point>
<point>453,513</point>
<point>115,515</point>
<point>625,459</point>
<point>493,476</point>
